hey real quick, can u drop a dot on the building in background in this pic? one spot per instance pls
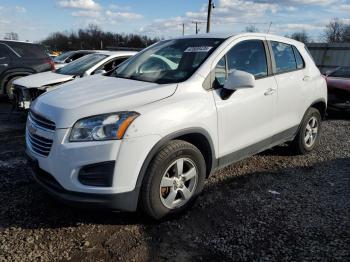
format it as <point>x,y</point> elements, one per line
<point>329,56</point>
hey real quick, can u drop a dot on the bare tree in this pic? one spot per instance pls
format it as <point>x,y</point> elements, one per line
<point>301,36</point>
<point>334,32</point>
<point>11,36</point>
<point>251,29</point>
<point>346,34</point>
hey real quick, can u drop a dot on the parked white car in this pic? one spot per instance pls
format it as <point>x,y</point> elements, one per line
<point>149,134</point>
<point>27,89</point>
<point>70,56</point>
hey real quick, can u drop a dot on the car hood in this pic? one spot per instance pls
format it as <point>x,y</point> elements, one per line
<point>42,79</point>
<point>95,95</point>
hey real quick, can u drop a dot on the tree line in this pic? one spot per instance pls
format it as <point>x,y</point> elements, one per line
<point>93,38</point>
<point>335,31</point>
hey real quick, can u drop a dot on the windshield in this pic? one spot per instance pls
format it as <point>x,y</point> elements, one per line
<point>79,66</point>
<point>168,61</point>
<point>343,71</point>
<point>62,57</point>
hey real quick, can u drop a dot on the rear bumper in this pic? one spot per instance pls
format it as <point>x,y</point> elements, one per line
<point>340,106</point>
<point>120,201</point>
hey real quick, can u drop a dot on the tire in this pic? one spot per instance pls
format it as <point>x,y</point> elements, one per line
<point>179,191</point>
<point>9,87</point>
<point>309,132</point>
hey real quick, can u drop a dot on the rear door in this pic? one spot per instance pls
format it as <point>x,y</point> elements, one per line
<point>289,75</point>
<point>245,119</point>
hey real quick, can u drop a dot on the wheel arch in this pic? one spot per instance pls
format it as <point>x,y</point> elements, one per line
<point>199,137</point>
<point>10,74</point>
<point>321,106</point>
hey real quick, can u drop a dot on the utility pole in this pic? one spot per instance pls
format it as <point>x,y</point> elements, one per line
<point>210,6</point>
<point>197,23</point>
<point>183,28</point>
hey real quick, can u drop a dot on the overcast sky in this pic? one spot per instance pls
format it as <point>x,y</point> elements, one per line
<point>35,19</point>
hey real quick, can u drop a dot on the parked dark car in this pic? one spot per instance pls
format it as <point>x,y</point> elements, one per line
<point>18,59</point>
<point>70,56</point>
<point>338,83</point>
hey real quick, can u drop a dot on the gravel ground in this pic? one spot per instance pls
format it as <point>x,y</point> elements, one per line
<point>272,206</point>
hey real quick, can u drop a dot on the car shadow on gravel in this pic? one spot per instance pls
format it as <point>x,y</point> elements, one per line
<point>282,213</point>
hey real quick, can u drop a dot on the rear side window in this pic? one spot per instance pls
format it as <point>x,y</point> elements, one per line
<point>298,58</point>
<point>248,56</point>
<point>284,57</point>
<point>4,51</point>
<point>28,50</point>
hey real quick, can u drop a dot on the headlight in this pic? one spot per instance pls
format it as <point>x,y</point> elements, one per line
<point>102,127</point>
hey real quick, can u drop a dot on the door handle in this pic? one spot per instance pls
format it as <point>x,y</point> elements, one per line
<point>4,64</point>
<point>269,91</point>
<point>306,78</point>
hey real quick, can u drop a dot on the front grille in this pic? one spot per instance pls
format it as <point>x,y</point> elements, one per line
<point>41,121</point>
<point>38,144</point>
<point>39,134</point>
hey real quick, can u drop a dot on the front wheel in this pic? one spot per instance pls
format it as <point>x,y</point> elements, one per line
<point>174,179</point>
<point>9,87</point>
<point>309,132</point>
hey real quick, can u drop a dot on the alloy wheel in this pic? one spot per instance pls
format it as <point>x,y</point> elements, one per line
<point>311,132</point>
<point>178,183</point>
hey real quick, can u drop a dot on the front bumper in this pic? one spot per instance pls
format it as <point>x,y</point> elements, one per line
<point>61,161</point>
<point>24,96</point>
<point>121,201</point>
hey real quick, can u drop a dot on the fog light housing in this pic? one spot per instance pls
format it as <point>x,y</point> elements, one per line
<point>99,174</point>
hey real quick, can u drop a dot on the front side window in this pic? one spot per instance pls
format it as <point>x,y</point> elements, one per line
<point>80,66</point>
<point>248,56</point>
<point>284,57</point>
<point>169,61</point>
<point>220,72</point>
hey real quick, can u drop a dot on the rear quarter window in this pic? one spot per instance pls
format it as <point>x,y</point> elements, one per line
<point>28,50</point>
<point>284,57</point>
<point>298,58</point>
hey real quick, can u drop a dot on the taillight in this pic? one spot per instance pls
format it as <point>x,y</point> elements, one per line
<point>51,63</point>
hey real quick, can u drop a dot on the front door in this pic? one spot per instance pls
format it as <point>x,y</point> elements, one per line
<point>245,119</point>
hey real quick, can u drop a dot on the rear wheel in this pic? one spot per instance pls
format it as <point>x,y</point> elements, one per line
<point>309,132</point>
<point>174,179</point>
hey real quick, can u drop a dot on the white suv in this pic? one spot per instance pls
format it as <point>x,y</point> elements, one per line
<point>148,134</point>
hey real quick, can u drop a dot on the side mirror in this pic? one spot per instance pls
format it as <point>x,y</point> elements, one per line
<point>100,71</point>
<point>239,80</point>
<point>69,60</point>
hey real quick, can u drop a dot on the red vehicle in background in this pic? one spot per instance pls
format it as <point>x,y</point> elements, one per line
<point>338,83</point>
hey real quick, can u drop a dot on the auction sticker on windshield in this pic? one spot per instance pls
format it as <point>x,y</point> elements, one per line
<point>195,49</point>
